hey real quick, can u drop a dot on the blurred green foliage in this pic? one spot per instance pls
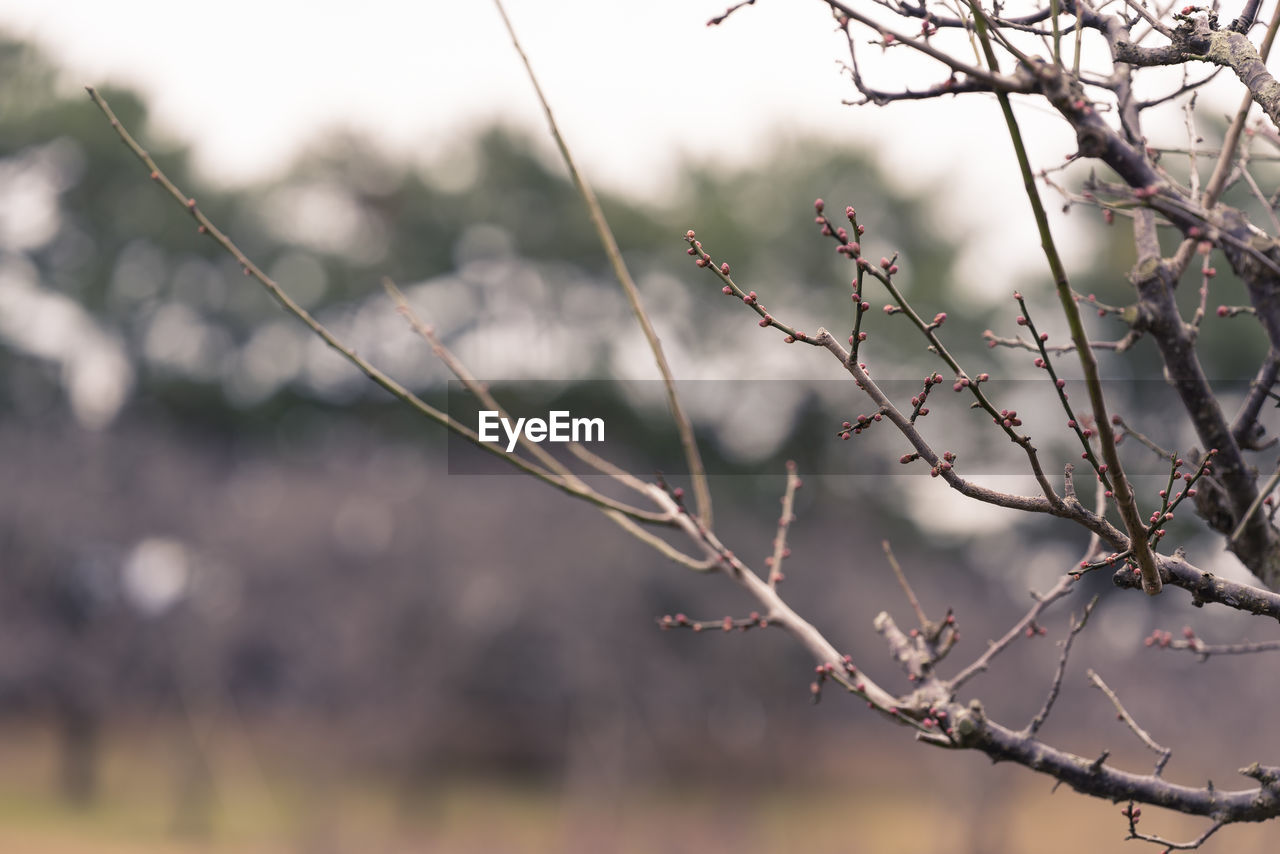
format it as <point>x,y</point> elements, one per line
<point>345,215</point>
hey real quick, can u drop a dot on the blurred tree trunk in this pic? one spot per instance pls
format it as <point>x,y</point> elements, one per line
<point>78,727</point>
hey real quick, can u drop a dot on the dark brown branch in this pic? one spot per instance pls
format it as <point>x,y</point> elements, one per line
<point>1245,429</point>
<point>1248,16</point>
<point>1259,547</point>
<point>1206,587</point>
<point>881,97</point>
<point>721,18</point>
<point>1181,90</point>
<point>972,730</point>
<point>1194,40</point>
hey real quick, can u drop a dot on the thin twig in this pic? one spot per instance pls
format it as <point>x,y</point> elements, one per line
<point>693,458</point>
<point>1019,343</point>
<point>1141,437</point>
<point>1163,752</point>
<point>206,226</point>
<point>1257,502</point>
<point>994,648</point>
<point>1193,644</point>
<point>1170,845</point>
<point>1258,194</point>
<point>780,550</point>
<point>1149,18</point>
<point>1189,111</point>
<point>1056,685</point>
<point>482,393</point>
<point>906,585</point>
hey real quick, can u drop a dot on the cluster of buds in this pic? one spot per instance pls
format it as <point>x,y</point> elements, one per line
<point>827,670</point>
<point>1008,418</point>
<point>703,259</point>
<point>855,427</point>
<point>1164,640</point>
<point>1086,566</point>
<point>944,465</point>
<point>776,575</point>
<point>677,495</point>
<point>936,717</point>
<point>1167,504</point>
<point>726,624</point>
<point>848,241</point>
<point>1157,518</point>
<point>1191,477</point>
<point>1086,432</point>
<point>918,407</point>
<point>962,382</point>
<point>695,249</point>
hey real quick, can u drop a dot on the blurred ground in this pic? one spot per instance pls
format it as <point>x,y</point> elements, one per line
<point>910,803</point>
<point>312,686</point>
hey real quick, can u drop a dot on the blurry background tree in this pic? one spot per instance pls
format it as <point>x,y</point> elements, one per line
<point>220,545</point>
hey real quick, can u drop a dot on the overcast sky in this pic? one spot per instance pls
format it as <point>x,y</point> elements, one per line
<point>635,86</point>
